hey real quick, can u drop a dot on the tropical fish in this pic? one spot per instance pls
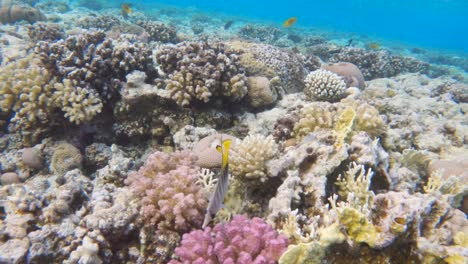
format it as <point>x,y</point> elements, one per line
<point>126,9</point>
<point>217,198</point>
<point>228,24</point>
<point>373,46</point>
<point>289,22</point>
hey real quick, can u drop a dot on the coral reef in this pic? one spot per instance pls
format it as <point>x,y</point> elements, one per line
<point>324,85</point>
<point>349,72</point>
<point>171,199</point>
<point>269,61</point>
<point>241,240</point>
<point>198,71</point>
<point>93,62</point>
<point>25,90</point>
<point>45,32</point>
<point>159,32</point>
<point>260,34</point>
<point>248,158</point>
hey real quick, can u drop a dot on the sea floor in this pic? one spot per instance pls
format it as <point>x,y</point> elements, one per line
<point>116,128</point>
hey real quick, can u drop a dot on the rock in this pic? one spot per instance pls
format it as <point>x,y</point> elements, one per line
<point>14,251</point>
<point>260,93</point>
<point>32,158</point>
<point>9,178</point>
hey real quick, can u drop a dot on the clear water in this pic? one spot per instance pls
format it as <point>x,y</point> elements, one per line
<point>438,24</point>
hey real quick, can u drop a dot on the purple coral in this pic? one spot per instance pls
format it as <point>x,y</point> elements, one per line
<point>171,199</point>
<point>242,241</point>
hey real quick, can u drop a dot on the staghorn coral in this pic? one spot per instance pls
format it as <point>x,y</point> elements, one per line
<point>171,198</point>
<point>248,158</point>
<point>197,71</point>
<point>241,240</point>
<point>324,85</point>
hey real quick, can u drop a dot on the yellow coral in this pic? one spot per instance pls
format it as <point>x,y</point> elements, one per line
<point>25,90</point>
<point>356,181</point>
<point>368,120</point>
<point>314,117</point>
<point>344,125</point>
<point>78,104</point>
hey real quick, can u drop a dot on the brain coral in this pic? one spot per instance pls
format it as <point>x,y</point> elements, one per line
<point>240,241</point>
<point>248,159</point>
<point>324,85</point>
<point>349,72</point>
<point>171,199</point>
<point>205,150</point>
<point>200,70</point>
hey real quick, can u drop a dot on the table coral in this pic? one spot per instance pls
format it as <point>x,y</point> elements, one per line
<point>242,240</point>
<point>197,71</point>
<point>171,199</point>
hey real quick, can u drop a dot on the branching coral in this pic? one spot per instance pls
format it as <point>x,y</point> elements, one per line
<point>324,85</point>
<point>242,240</point>
<point>171,199</point>
<point>159,32</point>
<point>78,104</point>
<point>248,159</point>
<point>93,62</point>
<point>356,181</point>
<point>197,71</point>
<point>25,91</point>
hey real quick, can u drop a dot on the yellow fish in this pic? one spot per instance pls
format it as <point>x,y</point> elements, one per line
<point>126,9</point>
<point>373,46</point>
<point>289,22</point>
<point>217,199</point>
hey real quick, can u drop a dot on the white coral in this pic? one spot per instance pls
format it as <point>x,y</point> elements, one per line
<point>249,158</point>
<point>324,85</point>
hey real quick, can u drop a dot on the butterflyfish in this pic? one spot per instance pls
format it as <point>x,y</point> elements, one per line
<point>289,22</point>
<point>126,10</point>
<point>217,198</point>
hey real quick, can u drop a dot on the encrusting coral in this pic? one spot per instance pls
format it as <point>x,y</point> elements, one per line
<point>241,240</point>
<point>171,198</point>
<point>197,71</point>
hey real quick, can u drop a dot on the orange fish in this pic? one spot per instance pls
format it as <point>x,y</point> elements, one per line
<point>126,9</point>
<point>289,22</point>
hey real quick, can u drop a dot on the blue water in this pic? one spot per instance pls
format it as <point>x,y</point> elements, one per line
<point>438,24</point>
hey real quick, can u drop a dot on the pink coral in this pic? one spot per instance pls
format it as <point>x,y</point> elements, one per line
<point>241,241</point>
<point>170,197</point>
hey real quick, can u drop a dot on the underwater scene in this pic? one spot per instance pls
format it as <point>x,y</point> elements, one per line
<point>225,132</point>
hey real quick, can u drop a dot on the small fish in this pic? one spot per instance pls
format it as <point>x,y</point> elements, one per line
<point>217,198</point>
<point>289,22</point>
<point>228,24</point>
<point>126,9</point>
<point>373,46</point>
<point>350,43</point>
